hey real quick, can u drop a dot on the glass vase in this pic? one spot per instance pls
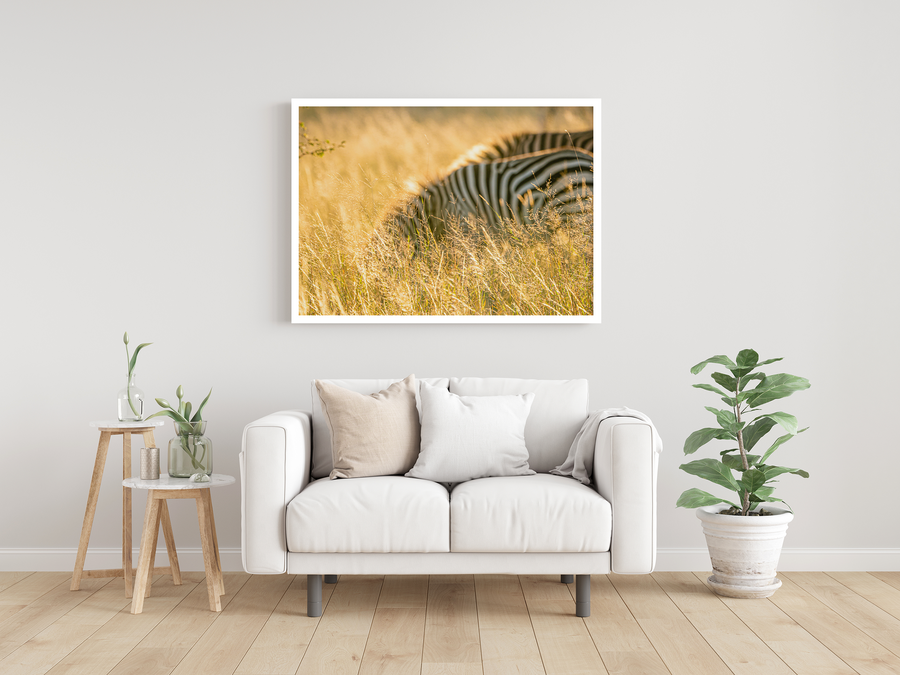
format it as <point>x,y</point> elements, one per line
<point>130,402</point>
<point>190,451</point>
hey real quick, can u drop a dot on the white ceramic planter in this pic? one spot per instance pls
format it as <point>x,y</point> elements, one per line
<point>744,550</point>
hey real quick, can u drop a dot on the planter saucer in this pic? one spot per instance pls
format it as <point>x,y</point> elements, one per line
<point>749,592</point>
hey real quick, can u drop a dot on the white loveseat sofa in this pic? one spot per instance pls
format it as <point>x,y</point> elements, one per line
<point>297,520</point>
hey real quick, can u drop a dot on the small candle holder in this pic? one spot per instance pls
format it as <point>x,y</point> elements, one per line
<point>149,463</point>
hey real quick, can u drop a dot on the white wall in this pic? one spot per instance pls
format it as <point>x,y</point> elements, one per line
<point>750,199</point>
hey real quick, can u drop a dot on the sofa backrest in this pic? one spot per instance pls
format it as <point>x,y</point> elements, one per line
<point>557,413</point>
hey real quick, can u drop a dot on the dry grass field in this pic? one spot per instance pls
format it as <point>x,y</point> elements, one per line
<point>354,261</point>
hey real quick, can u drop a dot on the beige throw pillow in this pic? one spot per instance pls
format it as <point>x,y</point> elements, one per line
<point>372,435</point>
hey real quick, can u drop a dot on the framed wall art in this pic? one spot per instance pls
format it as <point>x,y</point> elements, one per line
<point>432,210</point>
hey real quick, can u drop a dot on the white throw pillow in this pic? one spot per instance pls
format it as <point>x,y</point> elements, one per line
<point>466,437</point>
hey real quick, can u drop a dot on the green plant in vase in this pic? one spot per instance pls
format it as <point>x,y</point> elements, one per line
<point>131,399</point>
<point>190,452</point>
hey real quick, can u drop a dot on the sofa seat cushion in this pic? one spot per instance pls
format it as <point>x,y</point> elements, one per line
<point>540,513</point>
<point>379,514</point>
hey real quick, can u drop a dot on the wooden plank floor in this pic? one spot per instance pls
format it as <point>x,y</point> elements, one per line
<point>667,623</point>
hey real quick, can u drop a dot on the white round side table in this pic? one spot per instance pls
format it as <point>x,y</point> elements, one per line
<point>158,491</point>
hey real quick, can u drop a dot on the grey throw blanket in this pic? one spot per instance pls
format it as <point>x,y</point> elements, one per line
<point>580,462</point>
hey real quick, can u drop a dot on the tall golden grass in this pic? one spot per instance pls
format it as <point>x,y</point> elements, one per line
<point>352,260</point>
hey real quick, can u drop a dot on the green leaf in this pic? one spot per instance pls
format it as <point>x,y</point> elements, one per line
<point>752,480</point>
<point>721,359</point>
<point>781,440</point>
<point>725,380</point>
<point>759,428</point>
<point>726,419</point>
<point>749,378</point>
<point>734,461</point>
<point>691,499</point>
<point>788,422</point>
<point>746,362</point>
<point>703,436</point>
<point>765,363</point>
<point>196,417</point>
<point>135,355</point>
<point>747,358</point>
<point>171,414</point>
<point>773,471</point>
<point>774,387</point>
<point>712,470</point>
<point>773,499</point>
<point>187,411</point>
<point>764,494</point>
<point>709,387</point>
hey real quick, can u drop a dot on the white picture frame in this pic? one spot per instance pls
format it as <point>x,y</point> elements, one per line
<point>311,169</point>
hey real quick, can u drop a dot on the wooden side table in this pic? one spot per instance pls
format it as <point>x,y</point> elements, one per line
<point>107,431</point>
<point>159,491</point>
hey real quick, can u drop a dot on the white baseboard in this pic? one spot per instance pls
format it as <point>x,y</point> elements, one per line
<point>63,559</point>
<point>792,560</point>
<point>667,559</point>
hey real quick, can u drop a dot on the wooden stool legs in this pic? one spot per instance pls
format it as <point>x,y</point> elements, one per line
<point>157,512</point>
<point>93,494</point>
<point>127,569</point>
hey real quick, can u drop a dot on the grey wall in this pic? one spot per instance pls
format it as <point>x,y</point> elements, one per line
<point>749,199</point>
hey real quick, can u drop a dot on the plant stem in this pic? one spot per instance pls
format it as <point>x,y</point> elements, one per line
<point>745,496</point>
<point>188,446</point>
<point>128,382</point>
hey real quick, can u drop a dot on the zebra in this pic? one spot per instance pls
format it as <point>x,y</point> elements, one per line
<point>513,188</point>
<point>525,143</point>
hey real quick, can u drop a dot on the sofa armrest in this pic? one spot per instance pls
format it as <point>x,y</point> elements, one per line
<point>624,473</point>
<point>275,461</point>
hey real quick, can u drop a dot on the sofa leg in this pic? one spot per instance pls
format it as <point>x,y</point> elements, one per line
<point>567,578</point>
<point>313,595</point>
<point>331,578</point>
<point>582,595</point>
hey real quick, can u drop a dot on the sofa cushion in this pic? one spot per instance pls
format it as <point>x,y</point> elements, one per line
<point>382,514</point>
<point>466,437</point>
<point>540,513</point>
<point>560,408</point>
<point>371,435</point>
<point>322,462</point>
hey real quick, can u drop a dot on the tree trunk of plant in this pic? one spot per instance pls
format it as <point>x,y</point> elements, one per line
<point>745,496</point>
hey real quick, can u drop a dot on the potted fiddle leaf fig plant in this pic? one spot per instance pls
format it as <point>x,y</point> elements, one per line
<point>745,539</point>
<point>190,452</point>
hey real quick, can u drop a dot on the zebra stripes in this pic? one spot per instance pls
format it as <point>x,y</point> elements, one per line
<point>512,188</point>
<point>524,144</point>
